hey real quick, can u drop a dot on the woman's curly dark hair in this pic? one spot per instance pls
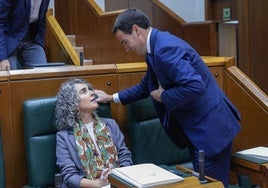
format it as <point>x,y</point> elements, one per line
<point>66,111</point>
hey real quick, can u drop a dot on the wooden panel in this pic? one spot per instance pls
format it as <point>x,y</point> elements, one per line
<point>53,50</point>
<point>217,72</point>
<point>97,39</point>
<point>128,74</point>
<point>57,37</point>
<point>202,36</point>
<point>145,6</point>
<point>126,80</point>
<point>258,39</point>
<point>253,106</point>
<point>164,19</point>
<point>93,29</point>
<point>88,33</point>
<point>215,9</point>
<point>111,5</point>
<point>5,128</point>
<point>65,12</point>
<point>253,40</point>
<point>243,36</point>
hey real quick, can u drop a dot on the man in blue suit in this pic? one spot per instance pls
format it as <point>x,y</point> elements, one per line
<point>22,33</point>
<point>192,108</point>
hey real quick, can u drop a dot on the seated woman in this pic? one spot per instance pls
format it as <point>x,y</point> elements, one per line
<point>88,146</point>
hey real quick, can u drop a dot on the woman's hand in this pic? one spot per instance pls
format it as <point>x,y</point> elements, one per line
<point>98,183</point>
<point>101,183</point>
<point>104,176</point>
<point>105,173</point>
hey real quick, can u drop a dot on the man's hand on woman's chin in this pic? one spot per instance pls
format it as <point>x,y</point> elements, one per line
<point>103,97</point>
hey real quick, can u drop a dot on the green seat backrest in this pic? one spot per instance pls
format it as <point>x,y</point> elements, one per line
<point>40,139</point>
<point>148,140</point>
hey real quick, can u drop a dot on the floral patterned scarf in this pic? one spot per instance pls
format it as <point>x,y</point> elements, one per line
<point>93,163</point>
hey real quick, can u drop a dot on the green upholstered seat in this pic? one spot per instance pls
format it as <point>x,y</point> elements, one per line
<point>40,139</point>
<point>2,169</point>
<point>148,141</point>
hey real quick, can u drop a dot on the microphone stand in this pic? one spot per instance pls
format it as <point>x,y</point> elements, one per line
<point>201,160</point>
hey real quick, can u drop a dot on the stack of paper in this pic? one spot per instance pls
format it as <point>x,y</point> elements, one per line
<point>258,152</point>
<point>146,175</point>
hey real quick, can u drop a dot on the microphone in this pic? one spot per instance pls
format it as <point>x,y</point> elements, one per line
<point>201,160</point>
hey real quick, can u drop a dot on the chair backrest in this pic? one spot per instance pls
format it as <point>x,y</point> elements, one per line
<point>148,140</point>
<point>40,139</point>
<point>2,169</point>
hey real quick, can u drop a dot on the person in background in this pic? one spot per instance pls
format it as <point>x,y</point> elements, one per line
<point>193,110</point>
<point>87,146</point>
<point>22,33</point>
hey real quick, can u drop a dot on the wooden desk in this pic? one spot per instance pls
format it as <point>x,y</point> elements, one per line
<point>256,169</point>
<point>189,182</point>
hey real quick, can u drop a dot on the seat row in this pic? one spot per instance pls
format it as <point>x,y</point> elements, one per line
<point>148,142</point>
<point>145,134</point>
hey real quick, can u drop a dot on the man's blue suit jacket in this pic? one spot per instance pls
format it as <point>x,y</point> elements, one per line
<point>192,100</point>
<point>14,24</point>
